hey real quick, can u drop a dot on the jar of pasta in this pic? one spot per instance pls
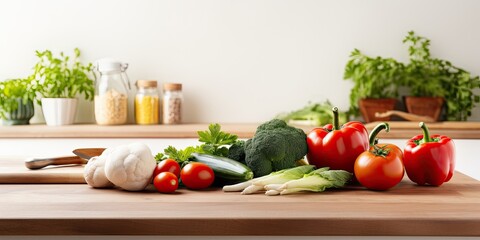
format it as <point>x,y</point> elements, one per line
<point>147,102</point>
<point>172,103</point>
<point>111,94</point>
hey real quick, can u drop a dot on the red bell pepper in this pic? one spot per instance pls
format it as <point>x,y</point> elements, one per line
<point>339,147</point>
<point>429,159</point>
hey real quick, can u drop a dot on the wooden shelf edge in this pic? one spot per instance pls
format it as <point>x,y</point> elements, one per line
<point>399,130</point>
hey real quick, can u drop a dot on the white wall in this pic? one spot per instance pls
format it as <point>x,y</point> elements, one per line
<point>239,61</point>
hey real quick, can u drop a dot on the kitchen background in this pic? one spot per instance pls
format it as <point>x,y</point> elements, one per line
<point>239,61</point>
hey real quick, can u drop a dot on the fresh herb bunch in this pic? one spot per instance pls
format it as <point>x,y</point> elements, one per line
<point>427,76</point>
<point>63,77</point>
<point>215,141</point>
<point>372,77</point>
<point>179,155</point>
<point>423,75</point>
<point>11,90</point>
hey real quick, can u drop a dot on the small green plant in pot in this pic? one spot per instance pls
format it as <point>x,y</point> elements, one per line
<point>375,86</point>
<point>16,101</point>
<point>60,80</point>
<point>434,81</point>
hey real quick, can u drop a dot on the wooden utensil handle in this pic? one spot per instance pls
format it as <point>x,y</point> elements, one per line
<point>37,163</point>
<point>406,116</point>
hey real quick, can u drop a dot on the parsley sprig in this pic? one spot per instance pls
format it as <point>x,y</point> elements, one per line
<point>215,141</point>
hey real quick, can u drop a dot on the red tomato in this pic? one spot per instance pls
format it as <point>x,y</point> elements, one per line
<point>197,175</point>
<point>378,172</point>
<point>167,165</point>
<point>166,182</point>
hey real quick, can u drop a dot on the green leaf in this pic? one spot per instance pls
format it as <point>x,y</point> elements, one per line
<point>159,157</point>
<point>378,77</point>
<point>63,76</point>
<point>180,155</point>
<point>214,140</point>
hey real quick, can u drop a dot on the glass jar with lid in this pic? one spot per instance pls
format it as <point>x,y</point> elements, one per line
<point>111,94</point>
<point>147,102</point>
<point>172,103</point>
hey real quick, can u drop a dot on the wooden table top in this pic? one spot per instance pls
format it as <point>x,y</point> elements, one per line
<point>401,130</point>
<point>407,210</point>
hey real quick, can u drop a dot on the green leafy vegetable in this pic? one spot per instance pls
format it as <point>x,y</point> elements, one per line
<point>433,77</point>
<point>288,181</point>
<point>317,114</point>
<point>316,181</point>
<point>377,77</point>
<point>159,157</point>
<point>373,77</point>
<point>63,77</point>
<point>180,155</point>
<point>278,177</point>
<point>215,141</point>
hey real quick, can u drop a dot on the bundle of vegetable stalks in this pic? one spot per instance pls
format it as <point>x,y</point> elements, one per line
<point>293,180</point>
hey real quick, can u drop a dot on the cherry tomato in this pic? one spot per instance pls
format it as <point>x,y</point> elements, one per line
<point>379,172</point>
<point>197,175</point>
<point>166,182</point>
<point>167,165</point>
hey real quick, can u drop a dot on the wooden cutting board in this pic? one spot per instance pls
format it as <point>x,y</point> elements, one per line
<point>13,170</point>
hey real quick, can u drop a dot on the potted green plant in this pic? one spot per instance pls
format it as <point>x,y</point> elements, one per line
<point>16,101</point>
<point>432,82</point>
<point>375,84</point>
<point>60,81</point>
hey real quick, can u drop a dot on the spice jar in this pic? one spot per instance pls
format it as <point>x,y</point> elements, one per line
<point>172,103</point>
<point>111,92</point>
<point>146,102</point>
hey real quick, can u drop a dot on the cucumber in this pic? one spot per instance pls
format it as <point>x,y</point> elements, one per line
<point>225,168</point>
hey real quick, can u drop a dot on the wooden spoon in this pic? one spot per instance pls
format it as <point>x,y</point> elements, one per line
<point>82,156</point>
<point>406,116</point>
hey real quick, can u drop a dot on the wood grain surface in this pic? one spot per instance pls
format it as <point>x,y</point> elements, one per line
<point>460,130</point>
<point>13,170</point>
<point>407,210</point>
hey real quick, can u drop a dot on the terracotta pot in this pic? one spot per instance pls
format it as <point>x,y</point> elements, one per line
<point>425,106</point>
<point>370,106</point>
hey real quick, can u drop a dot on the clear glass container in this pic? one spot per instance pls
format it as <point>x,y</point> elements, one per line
<point>172,103</point>
<point>111,94</point>
<point>147,102</point>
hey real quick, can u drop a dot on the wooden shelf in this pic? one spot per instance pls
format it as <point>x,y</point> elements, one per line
<point>399,130</point>
<point>406,210</point>
<point>120,131</point>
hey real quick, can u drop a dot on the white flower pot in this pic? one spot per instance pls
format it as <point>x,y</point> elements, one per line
<point>59,111</point>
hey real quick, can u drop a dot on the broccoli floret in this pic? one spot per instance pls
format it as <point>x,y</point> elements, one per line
<point>274,147</point>
<point>237,151</point>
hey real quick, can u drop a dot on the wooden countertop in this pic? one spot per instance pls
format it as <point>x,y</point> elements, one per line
<point>402,130</point>
<point>407,210</point>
